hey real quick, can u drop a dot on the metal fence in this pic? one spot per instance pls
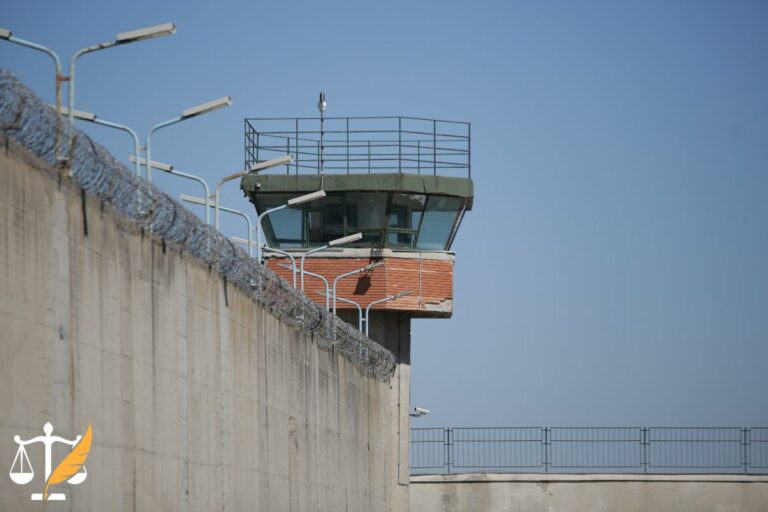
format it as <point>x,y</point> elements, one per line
<point>592,449</point>
<point>355,145</point>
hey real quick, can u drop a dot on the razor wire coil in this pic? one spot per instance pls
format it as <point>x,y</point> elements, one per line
<point>32,123</point>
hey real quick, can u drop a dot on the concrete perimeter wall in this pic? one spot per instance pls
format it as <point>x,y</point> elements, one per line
<point>199,398</point>
<point>594,493</point>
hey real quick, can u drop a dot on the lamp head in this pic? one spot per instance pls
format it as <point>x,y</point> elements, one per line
<point>77,114</point>
<point>345,240</point>
<point>207,107</point>
<point>275,162</point>
<point>166,29</point>
<point>372,266</point>
<point>306,198</point>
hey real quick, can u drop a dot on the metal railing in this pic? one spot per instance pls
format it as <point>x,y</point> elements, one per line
<point>593,449</point>
<point>355,145</point>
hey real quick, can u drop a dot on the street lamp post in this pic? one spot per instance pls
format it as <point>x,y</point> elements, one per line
<point>385,299</point>
<point>359,311</point>
<point>291,202</point>
<point>366,268</point>
<point>187,114</point>
<point>170,170</point>
<point>8,36</point>
<point>284,253</point>
<point>333,243</point>
<point>206,203</point>
<point>93,118</point>
<point>325,283</point>
<point>133,36</point>
<point>254,168</point>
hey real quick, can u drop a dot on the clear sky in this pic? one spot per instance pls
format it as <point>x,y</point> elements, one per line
<point>614,269</point>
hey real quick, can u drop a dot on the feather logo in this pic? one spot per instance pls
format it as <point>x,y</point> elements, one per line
<point>72,463</point>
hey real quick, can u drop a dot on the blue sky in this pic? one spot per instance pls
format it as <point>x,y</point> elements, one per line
<point>613,271</point>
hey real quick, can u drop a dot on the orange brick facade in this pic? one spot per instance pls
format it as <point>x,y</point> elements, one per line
<point>430,281</point>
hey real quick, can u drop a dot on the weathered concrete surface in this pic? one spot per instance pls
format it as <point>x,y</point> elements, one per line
<point>596,493</point>
<point>199,398</point>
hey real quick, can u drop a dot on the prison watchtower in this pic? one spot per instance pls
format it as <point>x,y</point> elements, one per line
<point>402,183</point>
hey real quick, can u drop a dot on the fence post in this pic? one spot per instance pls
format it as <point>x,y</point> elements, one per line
<point>400,144</point>
<point>448,450</point>
<point>434,147</point>
<point>745,442</point>
<point>547,452</point>
<point>347,145</point>
<point>644,440</point>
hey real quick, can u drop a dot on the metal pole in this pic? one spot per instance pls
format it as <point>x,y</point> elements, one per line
<point>58,79</point>
<point>359,311</point>
<point>303,256</point>
<point>434,147</point>
<point>192,177</point>
<point>258,230</point>
<point>400,144</point>
<point>217,194</point>
<point>366,268</point>
<point>284,253</point>
<point>228,210</point>
<point>136,143</point>
<point>149,141</point>
<point>325,282</point>
<point>347,145</point>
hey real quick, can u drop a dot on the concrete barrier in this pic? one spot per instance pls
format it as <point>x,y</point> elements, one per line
<point>595,493</point>
<point>199,398</point>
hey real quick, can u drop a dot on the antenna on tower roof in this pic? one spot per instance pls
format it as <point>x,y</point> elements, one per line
<point>321,106</point>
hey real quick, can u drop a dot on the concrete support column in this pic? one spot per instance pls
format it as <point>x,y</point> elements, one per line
<point>393,330</point>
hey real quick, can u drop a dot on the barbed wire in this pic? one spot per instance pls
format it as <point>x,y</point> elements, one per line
<point>28,120</point>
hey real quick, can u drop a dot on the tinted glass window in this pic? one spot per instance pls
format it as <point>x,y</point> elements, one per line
<point>439,217</point>
<point>325,219</point>
<point>365,210</point>
<point>406,210</point>
<point>286,225</point>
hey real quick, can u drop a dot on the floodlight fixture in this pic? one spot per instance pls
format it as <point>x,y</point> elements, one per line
<point>166,29</point>
<point>267,164</point>
<point>210,106</point>
<point>155,164</point>
<point>306,198</point>
<point>345,240</point>
<point>79,114</point>
<point>5,33</point>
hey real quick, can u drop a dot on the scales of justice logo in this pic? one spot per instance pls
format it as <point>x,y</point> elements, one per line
<point>71,469</point>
